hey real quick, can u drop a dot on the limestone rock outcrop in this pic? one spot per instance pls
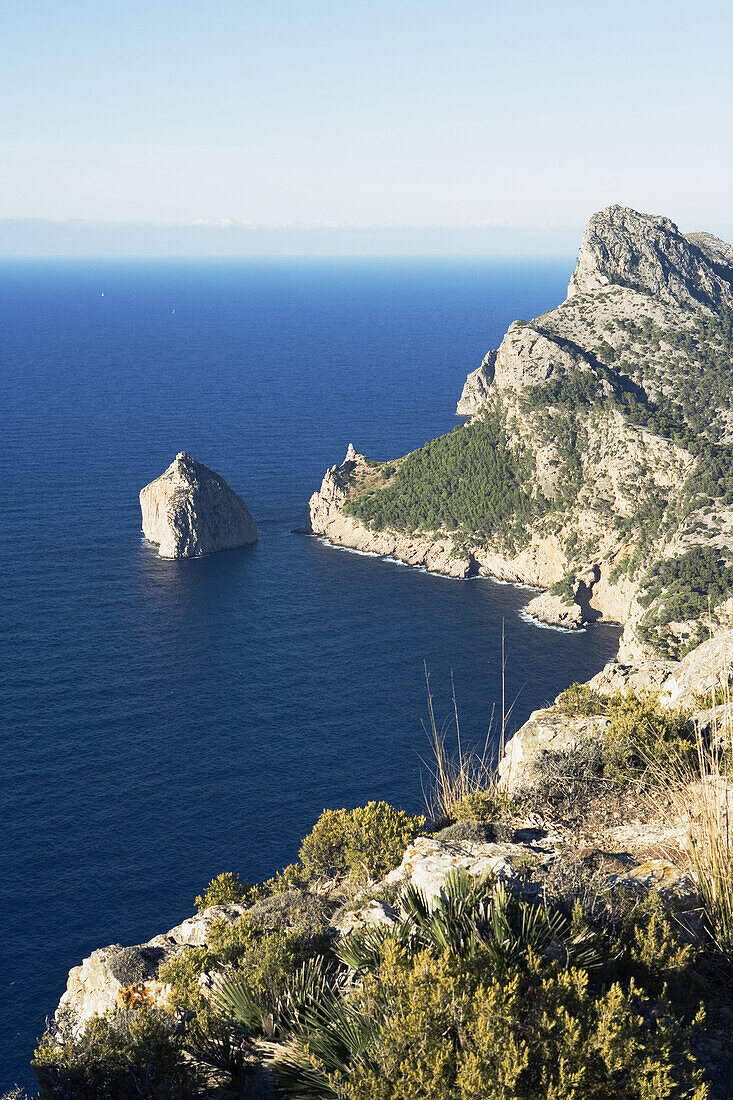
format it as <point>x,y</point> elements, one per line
<point>547,730</point>
<point>623,246</point>
<point>190,511</point>
<point>645,677</point>
<point>707,667</point>
<point>554,611</point>
<point>476,387</point>
<point>116,977</point>
<point>429,860</point>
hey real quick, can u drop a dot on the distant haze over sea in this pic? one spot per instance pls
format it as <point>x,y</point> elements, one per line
<point>39,237</point>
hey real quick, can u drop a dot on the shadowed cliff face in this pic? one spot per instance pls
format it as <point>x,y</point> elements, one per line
<point>600,444</point>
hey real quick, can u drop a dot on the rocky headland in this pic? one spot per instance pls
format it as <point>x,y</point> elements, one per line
<point>190,511</point>
<point>596,461</point>
<point>590,467</point>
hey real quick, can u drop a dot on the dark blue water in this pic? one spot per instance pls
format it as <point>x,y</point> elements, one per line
<point>164,721</point>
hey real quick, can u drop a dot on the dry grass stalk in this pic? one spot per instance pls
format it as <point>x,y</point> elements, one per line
<point>458,774</point>
<point>701,796</point>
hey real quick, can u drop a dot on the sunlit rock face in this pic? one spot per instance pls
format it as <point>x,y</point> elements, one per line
<point>189,511</point>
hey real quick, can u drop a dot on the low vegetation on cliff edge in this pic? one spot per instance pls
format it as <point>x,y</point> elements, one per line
<point>577,991</point>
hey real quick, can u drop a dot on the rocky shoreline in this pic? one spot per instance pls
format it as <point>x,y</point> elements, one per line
<point>540,565</point>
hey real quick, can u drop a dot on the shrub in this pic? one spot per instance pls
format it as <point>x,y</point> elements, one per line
<point>643,736</point>
<point>129,1056</point>
<point>481,806</point>
<point>564,777</point>
<point>294,910</point>
<point>564,589</point>
<point>364,843</point>
<point>182,974</point>
<point>449,1029</point>
<point>581,701</point>
<point>225,889</point>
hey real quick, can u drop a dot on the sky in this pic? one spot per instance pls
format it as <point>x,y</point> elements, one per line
<point>466,126</point>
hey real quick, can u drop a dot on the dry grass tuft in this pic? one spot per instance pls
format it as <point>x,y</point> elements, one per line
<point>457,775</point>
<point>701,796</point>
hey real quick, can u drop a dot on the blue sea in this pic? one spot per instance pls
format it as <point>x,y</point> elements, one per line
<point>164,721</point>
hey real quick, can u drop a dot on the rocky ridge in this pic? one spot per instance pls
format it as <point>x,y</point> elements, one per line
<point>190,511</point>
<point>599,403</point>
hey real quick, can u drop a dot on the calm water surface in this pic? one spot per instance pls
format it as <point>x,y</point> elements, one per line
<point>165,721</point>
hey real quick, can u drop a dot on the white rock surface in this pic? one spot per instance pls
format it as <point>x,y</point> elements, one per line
<point>429,860</point>
<point>674,886</point>
<point>546,730</point>
<point>373,912</point>
<point>555,611</point>
<point>126,977</point>
<point>706,668</point>
<point>189,511</point>
<point>645,677</point>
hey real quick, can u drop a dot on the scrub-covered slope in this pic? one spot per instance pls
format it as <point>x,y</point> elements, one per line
<point>597,460</point>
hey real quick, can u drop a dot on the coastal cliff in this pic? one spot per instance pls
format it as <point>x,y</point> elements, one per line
<point>190,511</point>
<point>589,467</point>
<point>596,461</point>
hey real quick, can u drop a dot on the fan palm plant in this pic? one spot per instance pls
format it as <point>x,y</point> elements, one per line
<point>468,916</point>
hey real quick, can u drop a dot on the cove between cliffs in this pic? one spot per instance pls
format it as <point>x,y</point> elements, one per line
<point>538,566</point>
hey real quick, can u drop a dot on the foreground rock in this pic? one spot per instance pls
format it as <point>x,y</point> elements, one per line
<point>189,511</point>
<point>521,856</point>
<point>546,731</point>
<point>115,977</point>
<point>429,861</point>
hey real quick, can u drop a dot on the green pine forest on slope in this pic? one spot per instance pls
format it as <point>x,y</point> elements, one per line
<point>477,483</point>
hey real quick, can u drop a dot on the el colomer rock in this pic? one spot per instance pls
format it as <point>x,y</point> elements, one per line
<point>189,511</point>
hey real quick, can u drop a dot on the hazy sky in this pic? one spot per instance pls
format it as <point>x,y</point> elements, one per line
<point>519,117</point>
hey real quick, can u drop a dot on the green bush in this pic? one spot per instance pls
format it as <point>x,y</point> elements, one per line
<point>134,1055</point>
<point>225,889</point>
<point>579,700</point>
<point>564,588</point>
<point>365,843</point>
<point>482,806</point>
<point>642,737</point>
<point>539,1031</point>
<point>454,1026</point>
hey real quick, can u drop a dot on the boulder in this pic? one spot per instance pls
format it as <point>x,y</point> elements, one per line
<point>642,678</point>
<point>366,916</point>
<point>554,611</point>
<point>545,731</point>
<point>429,860</point>
<point>676,887</point>
<point>703,670</point>
<point>189,511</point>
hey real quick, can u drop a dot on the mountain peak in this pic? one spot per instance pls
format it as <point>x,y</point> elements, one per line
<point>648,253</point>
